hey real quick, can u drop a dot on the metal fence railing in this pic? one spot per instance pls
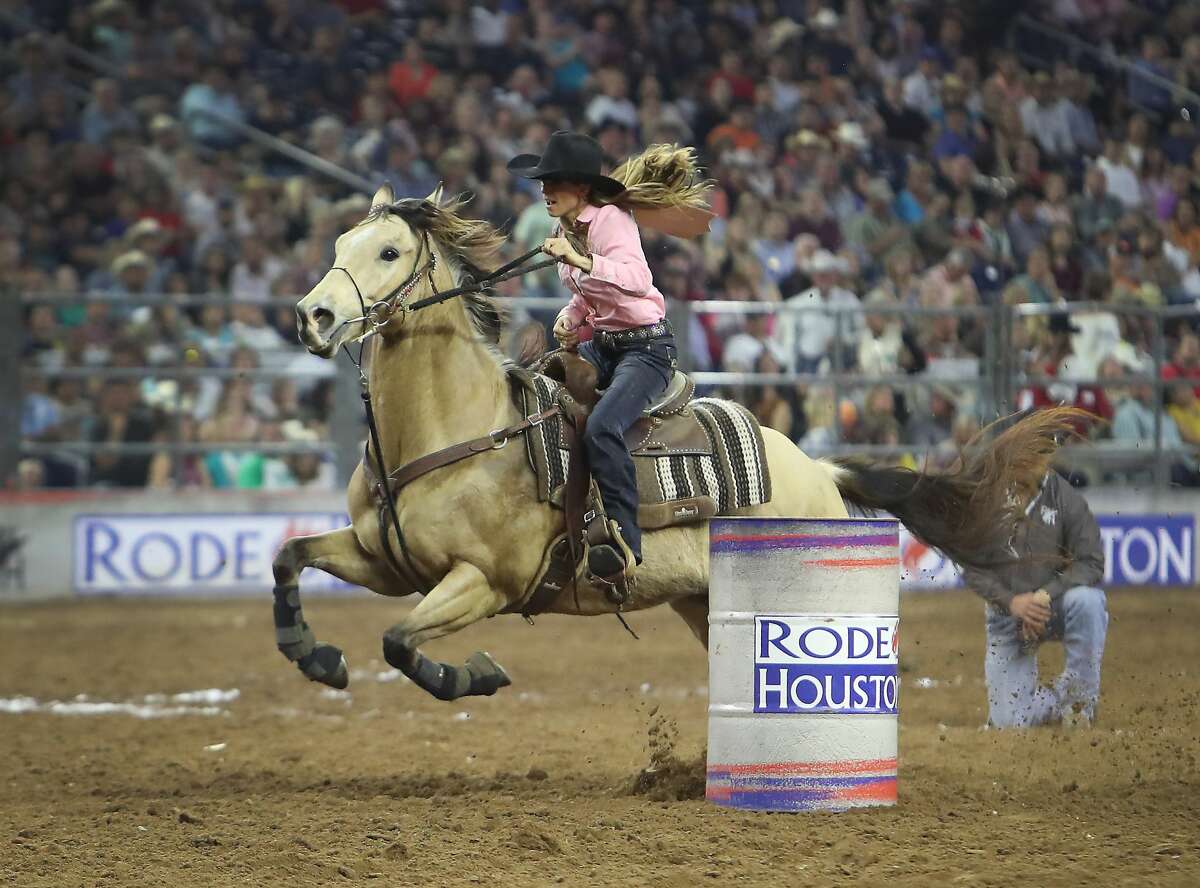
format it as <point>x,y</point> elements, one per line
<point>172,383</point>
<point>999,374</point>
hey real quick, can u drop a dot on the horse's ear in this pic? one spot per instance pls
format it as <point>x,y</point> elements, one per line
<point>435,196</point>
<point>384,197</point>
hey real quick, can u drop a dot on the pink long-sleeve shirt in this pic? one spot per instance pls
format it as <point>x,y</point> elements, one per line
<point>619,292</point>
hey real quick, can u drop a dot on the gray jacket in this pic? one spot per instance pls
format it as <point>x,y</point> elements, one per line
<point>1057,523</point>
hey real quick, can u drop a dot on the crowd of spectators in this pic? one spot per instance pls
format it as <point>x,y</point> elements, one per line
<point>890,157</point>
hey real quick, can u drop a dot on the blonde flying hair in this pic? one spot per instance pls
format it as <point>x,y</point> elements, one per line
<point>663,177</point>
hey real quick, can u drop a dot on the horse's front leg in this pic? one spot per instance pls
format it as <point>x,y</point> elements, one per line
<point>461,598</point>
<point>336,552</point>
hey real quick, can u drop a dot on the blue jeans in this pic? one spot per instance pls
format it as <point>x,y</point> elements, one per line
<point>633,376</point>
<point>1015,699</point>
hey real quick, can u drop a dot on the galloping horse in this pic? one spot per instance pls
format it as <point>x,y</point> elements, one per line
<point>475,531</point>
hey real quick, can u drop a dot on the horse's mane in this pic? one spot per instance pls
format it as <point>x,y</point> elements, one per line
<point>470,244</point>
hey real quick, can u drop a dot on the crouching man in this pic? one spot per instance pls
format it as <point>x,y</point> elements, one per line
<point>1049,591</point>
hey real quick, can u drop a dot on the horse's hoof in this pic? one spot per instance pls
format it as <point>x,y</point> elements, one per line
<point>327,665</point>
<point>487,676</point>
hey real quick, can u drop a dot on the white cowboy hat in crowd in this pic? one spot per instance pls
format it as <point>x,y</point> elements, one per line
<point>824,261</point>
<point>851,132</point>
<point>130,259</point>
<point>143,227</point>
<point>826,19</point>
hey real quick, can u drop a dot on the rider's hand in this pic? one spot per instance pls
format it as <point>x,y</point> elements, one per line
<point>566,335</point>
<point>560,248</point>
<point>1033,610</point>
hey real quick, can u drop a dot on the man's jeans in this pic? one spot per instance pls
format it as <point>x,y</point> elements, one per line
<point>634,375</point>
<point>1015,699</point>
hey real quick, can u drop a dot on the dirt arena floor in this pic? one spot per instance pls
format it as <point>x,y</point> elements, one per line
<point>293,784</point>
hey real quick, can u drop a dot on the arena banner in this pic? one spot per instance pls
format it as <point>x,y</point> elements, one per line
<point>210,553</point>
<point>1148,550</point>
<point>1139,550</point>
<point>62,543</point>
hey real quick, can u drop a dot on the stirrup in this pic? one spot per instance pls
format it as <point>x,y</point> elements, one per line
<point>612,564</point>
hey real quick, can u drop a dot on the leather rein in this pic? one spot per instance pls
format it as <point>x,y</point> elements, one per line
<point>376,317</point>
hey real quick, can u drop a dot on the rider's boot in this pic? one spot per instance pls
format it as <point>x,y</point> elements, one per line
<point>610,560</point>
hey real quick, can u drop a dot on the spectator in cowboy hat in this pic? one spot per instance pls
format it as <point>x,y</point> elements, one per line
<point>307,470</point>
<point>165,145</point>
<point>806,337</point>
<point>132,272</point>
<point>148,236</point>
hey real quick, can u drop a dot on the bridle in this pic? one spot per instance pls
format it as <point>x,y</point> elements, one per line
<point>376,317</point>
<point>381,311</point>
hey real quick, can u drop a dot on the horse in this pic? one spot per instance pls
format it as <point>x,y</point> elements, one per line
<point>475,532</point>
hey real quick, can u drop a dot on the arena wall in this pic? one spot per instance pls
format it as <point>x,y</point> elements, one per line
<point>220,544</point>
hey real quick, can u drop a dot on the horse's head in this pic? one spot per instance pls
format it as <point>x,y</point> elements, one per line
<point>383,258</point>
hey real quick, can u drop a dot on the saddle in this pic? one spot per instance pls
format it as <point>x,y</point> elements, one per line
<point>693,458</point>
<point>668,426</point>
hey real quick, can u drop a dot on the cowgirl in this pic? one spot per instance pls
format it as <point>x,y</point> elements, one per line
<point>599,249</point>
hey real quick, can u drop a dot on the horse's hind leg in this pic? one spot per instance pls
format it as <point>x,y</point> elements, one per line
<point>694,611</point>
<point>336,552</point>
<point>460,599</point>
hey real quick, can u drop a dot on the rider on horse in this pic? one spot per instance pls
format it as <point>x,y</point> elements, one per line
<point>632,347</point>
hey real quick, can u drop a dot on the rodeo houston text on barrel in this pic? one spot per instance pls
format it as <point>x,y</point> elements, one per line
<point>826,664</point>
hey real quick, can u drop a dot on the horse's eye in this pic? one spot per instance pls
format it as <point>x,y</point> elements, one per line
<point>389,255</point>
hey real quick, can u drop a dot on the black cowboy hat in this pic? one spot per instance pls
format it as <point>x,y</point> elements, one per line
<point>570,156</point>
<point>1060,322</point>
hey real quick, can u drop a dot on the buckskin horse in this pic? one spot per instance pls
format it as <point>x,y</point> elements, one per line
<point>473,534</point>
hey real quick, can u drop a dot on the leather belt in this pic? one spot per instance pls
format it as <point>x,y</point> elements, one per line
<point>610,338</point>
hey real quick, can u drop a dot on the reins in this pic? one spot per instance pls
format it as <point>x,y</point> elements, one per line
<point>377,317</point>
<point>500,275</point>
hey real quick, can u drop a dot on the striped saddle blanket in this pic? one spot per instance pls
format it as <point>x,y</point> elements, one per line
<point>707,458</point>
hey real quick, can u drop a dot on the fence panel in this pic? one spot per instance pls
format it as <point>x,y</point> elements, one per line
<point>997,378</point>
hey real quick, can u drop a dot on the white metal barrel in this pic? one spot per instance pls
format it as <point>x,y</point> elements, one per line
<point>803,680</point>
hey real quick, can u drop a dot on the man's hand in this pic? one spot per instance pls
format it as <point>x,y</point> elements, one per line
<point>566,335</point>
<point>560,248</point>
<point>1033,610</point>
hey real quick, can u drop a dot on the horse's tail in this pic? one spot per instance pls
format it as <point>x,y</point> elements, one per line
<point>970,510</point>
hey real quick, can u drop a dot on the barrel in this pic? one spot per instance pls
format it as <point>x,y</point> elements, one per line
<point>803,684</point>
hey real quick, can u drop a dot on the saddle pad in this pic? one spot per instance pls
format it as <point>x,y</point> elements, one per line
<point>673,488</point>
<point>545,445</point>
<point>734,474</point>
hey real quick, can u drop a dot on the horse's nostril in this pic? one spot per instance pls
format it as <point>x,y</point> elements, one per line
<point>323,318</point>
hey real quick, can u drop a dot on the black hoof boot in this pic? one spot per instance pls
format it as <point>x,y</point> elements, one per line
<point>326,664</point>
<point>487,676</point>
